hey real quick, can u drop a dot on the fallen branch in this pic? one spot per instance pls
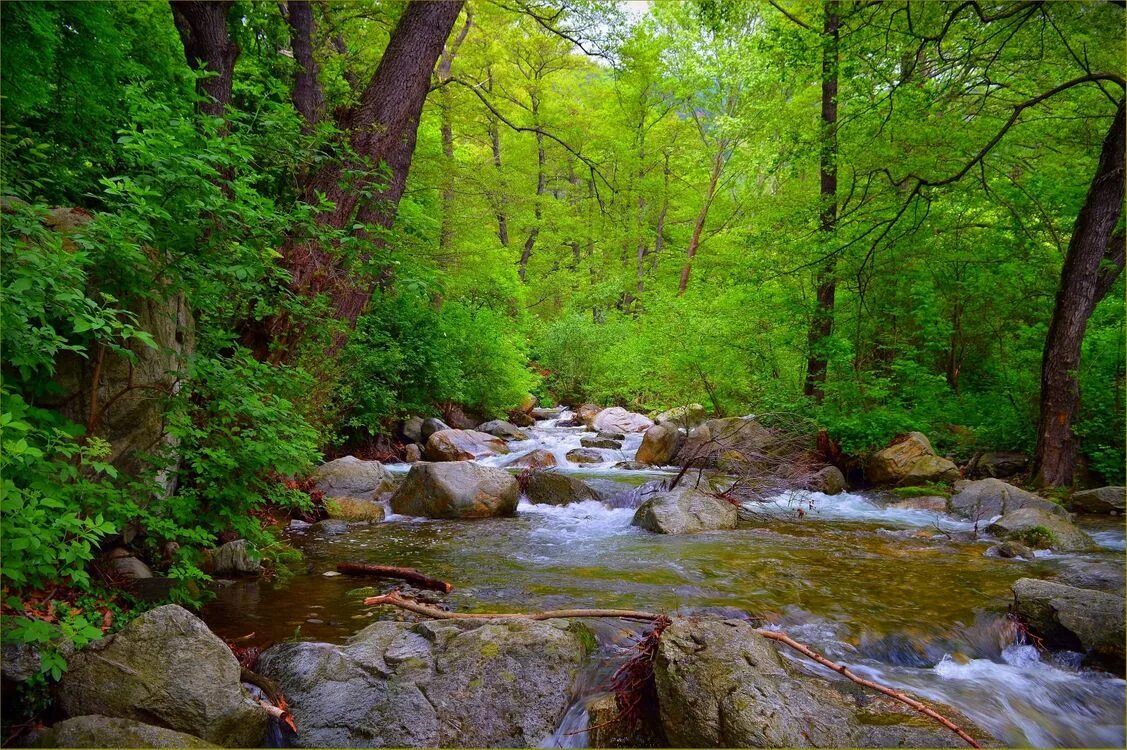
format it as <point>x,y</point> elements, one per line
<point>395,600</point>
<point>275,703</point>
<point>390,571</point>
<point>845,672</point>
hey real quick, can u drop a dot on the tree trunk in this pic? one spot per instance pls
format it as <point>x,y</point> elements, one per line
<point>702,217</point>
<point>1094,260</point>
<point>446,129</point>
<point>541,189</point>
<point>495,141</point>
<point>306,95</point>
<point>202,25</point>
<point>821,325</point>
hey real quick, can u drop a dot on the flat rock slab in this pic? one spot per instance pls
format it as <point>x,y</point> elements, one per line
<point>1074,619</point>
<point>1040,529</point>
<point>103,731</point>
<point>1105,500</point>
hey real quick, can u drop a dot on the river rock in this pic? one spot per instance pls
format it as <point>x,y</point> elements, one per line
<point>721,684</point>
<point>537,459</point>
<point>546,413</point>
<point>998,464</point>
<point>355,509</point>
<point>165,668</point>
<point>600,442</point>
<point>500,683</point>
<point>1074,619</point>
<point>617,419</point>
<point>607,727</point>
<point>330,527</point>
<point>502,429</point>
<point>521,419</point>
<point>584,456</point>
<point>1010,550</point>
<point>1103,500</point>
<point>103,731</point>
<point>985,498</point>
<point>351,477</point>
<point>659,445</point>
<point>1037,528</point>
<point>456,490</point>
<point>412,429</point>
<point>1108,576</point>
<point>430,426</point>
<point>463,445</point>
<point>234,558</point>
<point>726,442</point>
<point>126,565</point>
<point>412,453</point>
<point>910,460</point>
<point>933,503</point>
<point>688,416</point>
<point>684,510</point>
<point>586,414</point>
<point>552,488</point>
<point>828,480</point>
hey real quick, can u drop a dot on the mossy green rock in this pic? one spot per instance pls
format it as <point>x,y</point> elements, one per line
<point>497,683</point>
<point>909,461</point>
<point>1036,528</point>
<point>165,668</point>
<point>103,731</point>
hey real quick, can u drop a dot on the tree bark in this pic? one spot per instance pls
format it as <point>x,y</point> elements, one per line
<point>446,129</point>
<point>1094,260</point>
<point>306,95</point>
<point>821,325</point>
<point>702,217</point>
<point>202,25</point>
<point>541,189</point>
<point>495,140</point>
<point>390,571</point>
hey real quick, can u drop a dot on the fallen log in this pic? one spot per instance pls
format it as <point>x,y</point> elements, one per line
<point>410,575</point>
<point>395,600</point>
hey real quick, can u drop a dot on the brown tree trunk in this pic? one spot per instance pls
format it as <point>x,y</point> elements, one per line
<point>702,217</point>
<point>1094,260</point>
<point>306,95</point>
<point>446,129</point>
<point>202,25</point>
<point>821,325</point>
<point>495,141</point>
<point>541,189</point>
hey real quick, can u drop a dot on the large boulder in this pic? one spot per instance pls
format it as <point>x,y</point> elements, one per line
<point>521,419</point>
<point>983,499</point>
<point>998,464</point>
<point>617,419</point>
<point>537,459</point>
<point>659,445</point>
<point>721,684</point>
<point>586,414</point>
<point>688,416</point>
<point>456,490</point>
<point>585,456</point>
<point>165,668</point>
<point>351,477</point>
<point>502,429</point>
<point>730,443</point>
<point>103,731</point>
<point>233,559</point>
<point>910,460</point>
<point>1104,500</point>
<point>551,488</point>
<point>462,445</point>
<point>412,429</point>
<point>498,683</point>
<point>1091,622</point>
<point>430,426</point>
<point>828,480</point>
<point>684,510</point>
<point>546,412</point>
<point>1041,530</point>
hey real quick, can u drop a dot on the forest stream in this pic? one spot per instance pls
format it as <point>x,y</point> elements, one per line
<point>905,597</point>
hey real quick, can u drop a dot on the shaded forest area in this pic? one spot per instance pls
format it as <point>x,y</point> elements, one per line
<point>240,236</point>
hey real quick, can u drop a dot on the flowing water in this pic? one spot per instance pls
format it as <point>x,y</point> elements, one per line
<point>905,597</point>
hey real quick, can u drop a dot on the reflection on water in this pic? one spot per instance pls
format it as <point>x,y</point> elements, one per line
<point>906,597</point>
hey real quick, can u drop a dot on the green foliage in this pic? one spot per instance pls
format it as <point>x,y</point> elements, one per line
<point>924,490</point>
<point>1037,537</point>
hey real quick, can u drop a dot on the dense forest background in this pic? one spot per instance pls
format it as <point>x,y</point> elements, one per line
<point>306,221</point>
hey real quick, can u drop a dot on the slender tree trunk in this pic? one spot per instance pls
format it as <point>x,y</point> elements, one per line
<point>202,25</point>
<point>659,229</point>
<point>445,65</point>
<point>541,189</point>
<point>1094,260</point>
<point>702,217</point>
<point>306,96</point>
<point>821,325</point>
<point>500,207</point>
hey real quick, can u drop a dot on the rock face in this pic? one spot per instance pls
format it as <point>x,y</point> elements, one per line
<point>462,445</point>
<point>234,558</point>
<point>1074,619</point>
<point>688,416</point>
<point>659,445</point>
<point>986,498</point>
<point>165,668</point>
<point>537,459</point>
<point>998,464</point>
<point>430,426</point>
<point>499,683</point>
<point>456,490</point>
<point>1036,528</point>
<point>721,684</point>
<point>910,461</point>
<point>617,419</point>
<point>584,456</point>
<point>502,429</point>
<point>1103,500</point>
<point>550,488</point>
<point>828,480</point>
<point>102,731</point>
<point>351,477</point>
<point>684,510</point>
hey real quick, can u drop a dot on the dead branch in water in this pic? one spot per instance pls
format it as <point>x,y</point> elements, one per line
<point>275,703</point>
<point>395,600</point>
<point>390,571</point>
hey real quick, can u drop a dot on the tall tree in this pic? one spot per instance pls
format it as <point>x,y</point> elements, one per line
<point>1094,260</point>
<point>208,47</point>
<point>307,97</point>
